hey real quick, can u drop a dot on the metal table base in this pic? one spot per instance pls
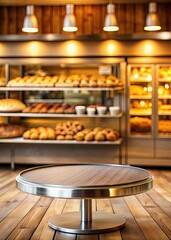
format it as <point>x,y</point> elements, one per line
<point>86,222</point>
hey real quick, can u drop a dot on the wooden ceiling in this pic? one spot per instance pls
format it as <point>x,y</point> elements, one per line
<point>63,2</point>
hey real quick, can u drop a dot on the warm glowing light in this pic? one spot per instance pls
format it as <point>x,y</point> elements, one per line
<point>150,104</point>
<point>148,47</point>
<point>30,30</point>
<point>70,29</point>
<point>150,89</point>
<point>166,86</point>
<point>145,89</point>
<point>152,28</point>
<point>110,48</point>
<point>111,28</point>
<point>149,77</point>
<point>136,75</point>
<point>142,103</point>
<point>72,47</point>
<point>34,48</point>
<point>160,91</point>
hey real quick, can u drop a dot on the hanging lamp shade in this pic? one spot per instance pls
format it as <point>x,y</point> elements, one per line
<point>110,23</point>
<point>30,24</point>
<point>70,20</point>
<point>152,19</point>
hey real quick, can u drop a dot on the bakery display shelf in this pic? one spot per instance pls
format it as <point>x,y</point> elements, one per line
<point>140,113</point>
<point>164,135</point>
<point>53,115</point>
<point>164,79</point>
<point>117,88</point>
<point>21,140</point>
<point>140,135</point>
<point>140,97</point>
<point>164,113</point>
<point>140,81</point>
<point>164,96</point>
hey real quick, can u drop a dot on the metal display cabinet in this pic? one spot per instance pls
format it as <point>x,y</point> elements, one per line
<point>148,93</point>
<point>34,151</point>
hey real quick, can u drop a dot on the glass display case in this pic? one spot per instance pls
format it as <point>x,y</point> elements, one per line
<point>140,100</point>
<point>149,112</point>
<point>164,100</point>
<point>52,91</point>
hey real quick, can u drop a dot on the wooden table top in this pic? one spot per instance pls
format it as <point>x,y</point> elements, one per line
<point>83,177</point>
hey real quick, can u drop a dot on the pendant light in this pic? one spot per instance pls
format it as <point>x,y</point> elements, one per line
<point>70,20</point>
<point>30,24</point>
<point>110,23</point>
<point>152,19</point>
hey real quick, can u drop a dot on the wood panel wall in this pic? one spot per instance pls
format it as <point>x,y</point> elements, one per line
<point>90,18</point>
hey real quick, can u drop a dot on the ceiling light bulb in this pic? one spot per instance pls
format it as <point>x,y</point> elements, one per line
<point>30,24</point>
<point>152,19</point>
<point>110,23</point>
<point>70,20</point>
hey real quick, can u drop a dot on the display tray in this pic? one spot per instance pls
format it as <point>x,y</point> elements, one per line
<point>168,96</point>
<point>164,79</point>
<point>117,88</point>
<point>140,112</point>
<point>140,135</point>
<point>140,97</point>
<point>140,80</point>
<point>163,113</point>
<point>164,135</point>
<point>21,140</point>
<point>54,115</point>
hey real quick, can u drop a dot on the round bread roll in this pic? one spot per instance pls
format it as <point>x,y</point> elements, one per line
<point>97,129</point>
<point>26,135</point>
<point>60,137</point>
<point>34,135</point>
<point>87,130</point>
<point>11,105</point>
<point>43,135</point>
<point>99,137</point>
<point>68,137</point>
<point>111,136</point>
<point>50,133</point>
<point>89,136</point>
<point>79,136</point>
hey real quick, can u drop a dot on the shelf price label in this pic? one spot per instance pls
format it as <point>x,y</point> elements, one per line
<point>105,69</point>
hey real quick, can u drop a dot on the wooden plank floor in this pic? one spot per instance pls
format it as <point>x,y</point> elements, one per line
<point>24,216</point>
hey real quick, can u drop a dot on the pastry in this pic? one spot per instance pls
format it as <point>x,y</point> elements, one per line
<point>111,136</point>
<point>89,136</point>
<point>11,131</point>
<point>99,137</point>
<point>11,105</point>
<point>60,137</point>
<point>79,136</point>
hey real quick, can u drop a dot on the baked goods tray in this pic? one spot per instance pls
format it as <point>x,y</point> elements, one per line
<point>140,97</point>
<point>163,113</point>
<point>168,96</point>
<point>56,115</point>
<point>119,88</point>
<point>164,79</point>
<point>21,140</point>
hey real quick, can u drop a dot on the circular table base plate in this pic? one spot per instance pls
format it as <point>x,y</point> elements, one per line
<point>102,222</point>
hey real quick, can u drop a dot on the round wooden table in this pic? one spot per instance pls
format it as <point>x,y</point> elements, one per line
<point>86,182</point>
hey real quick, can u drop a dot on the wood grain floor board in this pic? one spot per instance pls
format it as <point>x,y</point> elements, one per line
<point>25,217</point>
<point>131,229</point>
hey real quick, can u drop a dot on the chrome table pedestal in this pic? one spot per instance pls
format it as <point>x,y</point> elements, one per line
<point>85,182</point>
<point>86,222</point>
